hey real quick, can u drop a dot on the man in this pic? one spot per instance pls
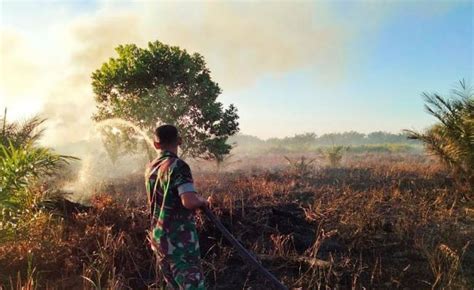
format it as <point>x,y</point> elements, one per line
<point>173,200</point>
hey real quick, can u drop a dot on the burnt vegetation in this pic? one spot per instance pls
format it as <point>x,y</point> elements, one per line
<point>381,223</point>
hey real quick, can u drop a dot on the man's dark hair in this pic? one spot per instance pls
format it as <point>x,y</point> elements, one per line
<point>166,134</point>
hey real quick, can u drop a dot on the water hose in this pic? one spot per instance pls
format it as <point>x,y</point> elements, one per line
<point>248,257</point>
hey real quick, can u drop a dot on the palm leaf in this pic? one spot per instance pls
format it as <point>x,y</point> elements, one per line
<point>452,139</point>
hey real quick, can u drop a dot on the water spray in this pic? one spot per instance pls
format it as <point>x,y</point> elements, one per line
<point>95,168</point>
<point>121,122</point>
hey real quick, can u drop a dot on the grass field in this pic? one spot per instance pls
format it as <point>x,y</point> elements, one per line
<point>378,221</point>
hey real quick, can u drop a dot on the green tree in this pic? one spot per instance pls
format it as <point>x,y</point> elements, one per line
<point>166,84</point>
<point>452,138</point>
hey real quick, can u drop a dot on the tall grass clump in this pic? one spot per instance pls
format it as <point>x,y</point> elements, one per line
<point>452,138</point>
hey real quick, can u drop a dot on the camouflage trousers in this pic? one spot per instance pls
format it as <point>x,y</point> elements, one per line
<point>179,257</point>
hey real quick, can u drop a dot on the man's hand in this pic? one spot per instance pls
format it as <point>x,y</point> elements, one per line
<point>205,202</point>
<point>211,201</point>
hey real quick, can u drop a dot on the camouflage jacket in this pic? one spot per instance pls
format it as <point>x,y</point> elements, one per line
<point>167,177</point>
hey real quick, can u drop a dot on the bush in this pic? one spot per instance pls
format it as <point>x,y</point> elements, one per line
<point>334,154</point>
<point>452,139</point>
<point>22,165</point>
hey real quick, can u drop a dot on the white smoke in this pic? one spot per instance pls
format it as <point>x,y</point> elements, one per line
<point>47,69</point>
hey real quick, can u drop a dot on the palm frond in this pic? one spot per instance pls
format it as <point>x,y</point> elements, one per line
<point>22,133</point>
<point>452,139</point>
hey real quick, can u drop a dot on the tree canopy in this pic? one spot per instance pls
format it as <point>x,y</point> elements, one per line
<point>166,84</point>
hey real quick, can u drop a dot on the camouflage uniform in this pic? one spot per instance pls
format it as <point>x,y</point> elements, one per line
<point>174,237</point>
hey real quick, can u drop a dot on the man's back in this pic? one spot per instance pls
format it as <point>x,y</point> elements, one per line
<point>166,178</point>
<point>174,236</point>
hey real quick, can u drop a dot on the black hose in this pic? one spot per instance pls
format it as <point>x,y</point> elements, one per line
<point>248,257</point>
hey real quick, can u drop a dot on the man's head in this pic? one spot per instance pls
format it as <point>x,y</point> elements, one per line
<point>167,138</point>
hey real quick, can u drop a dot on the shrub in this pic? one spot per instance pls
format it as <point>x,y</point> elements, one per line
<point>301,167</point>
<point>452,138</point>
<point>334,154</point>
<point>22,166</point>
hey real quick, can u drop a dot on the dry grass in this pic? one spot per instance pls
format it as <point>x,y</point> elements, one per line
<point>383,222</point>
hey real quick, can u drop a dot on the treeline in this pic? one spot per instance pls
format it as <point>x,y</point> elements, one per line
<point>358,142</point>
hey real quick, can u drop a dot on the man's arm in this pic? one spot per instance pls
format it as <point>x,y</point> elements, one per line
<point>185,185</point>
<point>191,200</point>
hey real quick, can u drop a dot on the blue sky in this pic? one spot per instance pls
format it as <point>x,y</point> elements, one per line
<point>381,90</point>
<point>337,66</point>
